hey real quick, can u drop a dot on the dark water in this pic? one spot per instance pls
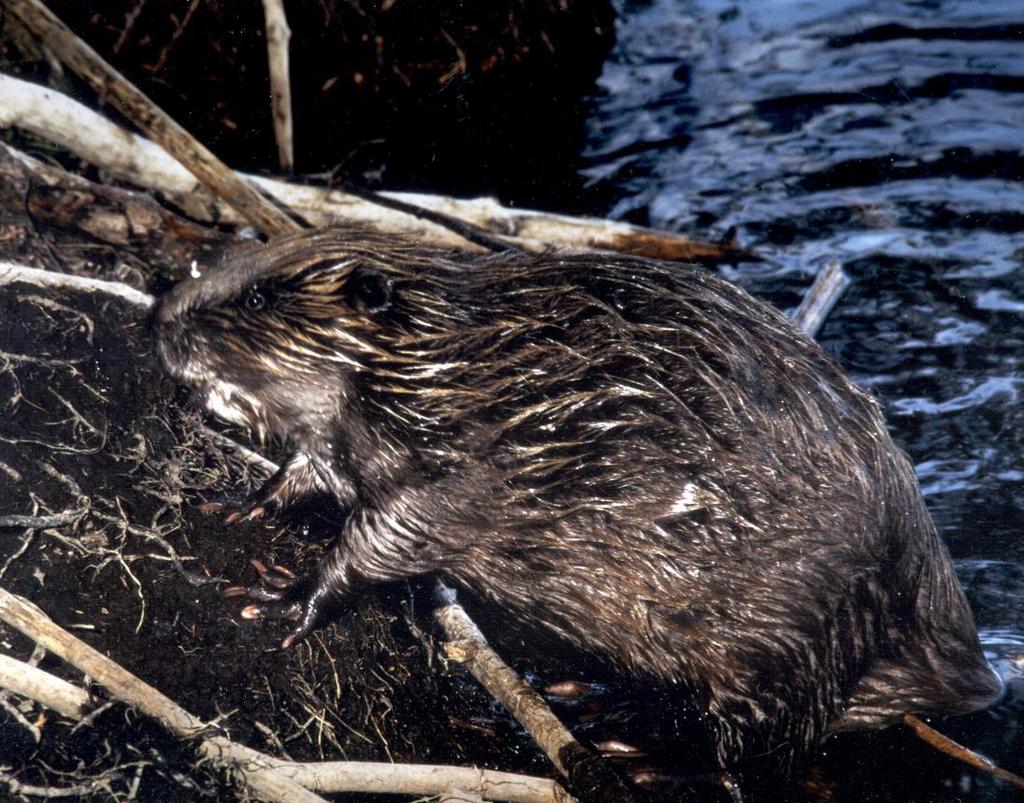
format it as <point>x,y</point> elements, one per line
<point>889,137</point>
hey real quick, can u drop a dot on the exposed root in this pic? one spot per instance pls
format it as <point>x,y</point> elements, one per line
<point>16,787</point>
<point>42,522</point>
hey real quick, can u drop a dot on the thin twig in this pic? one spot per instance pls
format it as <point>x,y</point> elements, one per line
<point>178,31</point>
<point>466,229</point>
<point>254,459</point>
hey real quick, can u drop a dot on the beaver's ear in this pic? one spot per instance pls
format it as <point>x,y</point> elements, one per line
<point>371,291</point>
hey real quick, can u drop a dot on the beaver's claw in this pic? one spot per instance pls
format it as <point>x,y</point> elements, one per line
<point>282,595</point>
<point>255,507</point>
<point>293,484</point>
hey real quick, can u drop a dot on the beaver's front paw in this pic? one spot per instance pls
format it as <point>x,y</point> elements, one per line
<point>293,485</point>
<point>282,595</point>
<point>270,500</point>
<point>244,511</point>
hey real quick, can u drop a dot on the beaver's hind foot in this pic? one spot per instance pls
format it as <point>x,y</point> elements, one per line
<point>280,594</point>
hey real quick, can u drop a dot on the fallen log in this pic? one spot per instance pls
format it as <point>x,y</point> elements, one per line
<point>59,119</point>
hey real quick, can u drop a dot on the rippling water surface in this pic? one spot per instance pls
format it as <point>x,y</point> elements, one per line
<point>889,137</point>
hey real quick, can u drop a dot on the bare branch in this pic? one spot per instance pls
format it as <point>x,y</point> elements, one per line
<point>134,104</point>
<point>366,776</point>
<point>278,36</point>
<point>10,273</point>
<point>60,119</point>
<point>469,647</point>
<point>819,300</point>
<point>956,750</point>
<point>56,694</point>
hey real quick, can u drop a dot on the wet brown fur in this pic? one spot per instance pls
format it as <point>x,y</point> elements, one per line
<point>637,455</point>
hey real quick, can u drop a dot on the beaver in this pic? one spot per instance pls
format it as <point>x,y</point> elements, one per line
<point>638,456</point>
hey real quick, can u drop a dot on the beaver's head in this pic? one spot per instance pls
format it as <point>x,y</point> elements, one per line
<point>274,335</point>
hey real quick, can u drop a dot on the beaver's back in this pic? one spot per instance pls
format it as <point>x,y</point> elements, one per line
<point>690,486</point>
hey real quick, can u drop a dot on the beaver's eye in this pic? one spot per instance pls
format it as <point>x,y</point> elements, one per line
<point>371,289</point>
<point>254,300</point>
